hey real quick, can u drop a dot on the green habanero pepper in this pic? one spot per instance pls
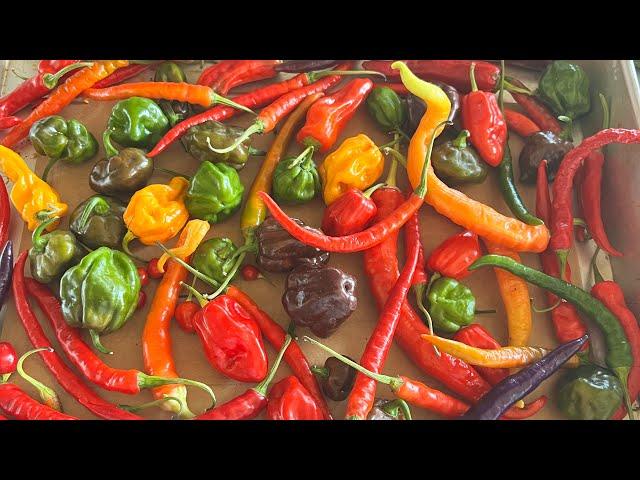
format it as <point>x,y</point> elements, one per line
<point>100,293</point>
<point>174,110</point>
<point>451,305</point>
<point>565,88</point>
<point>134,122</point>
<point>589,392</point>
<point>97,222</point>
<point>456,162</point>
<point>296,179</point>
<point>52,253</point>
<point>127,172</point>
<point>215,192</point>
<point>200,140</point>
<point>60,139</point>
<point>387,108</point>
<point>215,258</point>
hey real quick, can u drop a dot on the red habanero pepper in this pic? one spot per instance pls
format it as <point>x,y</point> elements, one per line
<point>247,71</point>
<point>328,116</point>
<point>476,336</point>
<point>184,314</point>
<point>213,72</point>
<point>5,213</point>
<point>289,400</point>
<point>519,123</point>
<point>17,404</point>
<point>481,115</point>
<point>536,110</point>
<point>453,256</point>
<point>63,374</point>
<point>294,356</point>
<point>123,74</point>
<point>351,212</point>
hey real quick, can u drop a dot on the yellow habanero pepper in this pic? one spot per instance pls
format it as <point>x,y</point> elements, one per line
<point>156,213</point>
<point>32,197</point>
<point>357,163</point>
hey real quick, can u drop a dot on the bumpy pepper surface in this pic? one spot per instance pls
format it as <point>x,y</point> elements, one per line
<point>296,179</point>
<point>215,192</point>
<point>564,87</point>
<point>175,111</point>
<point>52,253</point>
<point>451,305</point>
<point>126,172</point>
<point>589,392</point>
<point>455,162</point>
<point>214,258</point>
<point>387,108</point>
<point>542,146</point>
<point>97,222</point>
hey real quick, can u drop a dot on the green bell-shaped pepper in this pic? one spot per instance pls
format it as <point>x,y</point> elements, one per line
<point>456,162</point>
<point>97,222</point>
<point>200,140</point>
<point>589,392</point>
<point>100,293</point>
<point>215,258</point>
<point>52,253</point>
<point>565,88</point>
<point>451,305</point>
<point>296,179</point>
<point>387,108</point>
<point>215,192</point>
<point>60,139</point>
<point>174,110</point>
<point>134,122</point>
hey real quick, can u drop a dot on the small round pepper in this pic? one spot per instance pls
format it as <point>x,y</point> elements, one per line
<point>126,172</point>
<point>336,378</point>
<point>589,392</point>
<point>215,192</point>
<point>52,253</point>
<point>8,360</point>
<point>387,108</point>
<point>175,111</point>
<point>350,213</point>
<point>564,87</point>
<point>454,255</point>
<point>215,258</point>
<point>290,400</point>
<point>451,305</point>
<point>538,146</point>
<point>97,222</point>
<point>456,162</point>
<point>296,179</point>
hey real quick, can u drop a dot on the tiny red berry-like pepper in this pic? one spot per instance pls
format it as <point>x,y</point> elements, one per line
<point>184,314</point>
<point>328,116</point>
<point>481,115</point>
<point>453,256</point>
<point>289,400</point>
<point>350,213</point>
<point>144,276</point>
<point>476,336</point>
<point>153,270</point>
<point>250,273</point>
<point>8,361</point>
<point>142,300</point>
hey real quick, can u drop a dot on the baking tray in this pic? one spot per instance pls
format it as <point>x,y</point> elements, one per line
<point>616,79</point>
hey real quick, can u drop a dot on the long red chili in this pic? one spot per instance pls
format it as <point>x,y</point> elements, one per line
<point>247,71</point>
<point>64,375</point>
<point>477,336</point>
<point>519,123</point>
<point>411,235</point>
<point>123,74</point>
<point>538,112</point>
<point>362,396</point>
<point>212,73</point>
<point>17,404</point>
<point>8,122</point>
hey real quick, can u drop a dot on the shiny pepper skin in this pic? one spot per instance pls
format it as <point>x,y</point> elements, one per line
<point>357,163</point>
<point>184,314</point>
<point>8,358</point>
<point>289,400</point>
<point>232,340</point>
<point>453,256</point>
<point>350,213</point>
<point>153,270</point>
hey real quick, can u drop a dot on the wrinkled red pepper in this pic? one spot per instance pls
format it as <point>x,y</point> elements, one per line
<point>453,256</point>
<point>289,400</point>
<point>350,213</point>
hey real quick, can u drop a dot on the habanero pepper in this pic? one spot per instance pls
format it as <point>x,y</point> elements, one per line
<point>289,400</point>
<point>454,255</point>
<point>351,212</point>
<point>327,117</point>
<point>475,335</point>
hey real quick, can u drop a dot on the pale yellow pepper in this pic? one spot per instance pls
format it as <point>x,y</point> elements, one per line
<point>190,237</point>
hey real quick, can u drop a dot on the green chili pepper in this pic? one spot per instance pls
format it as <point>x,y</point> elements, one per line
<point>565,88</point>
<point>215,258</point>
<point>126,172</point>
<point>52,253</point>
<point>456,162</point>
<point>175,111</point>
<point>97,222</point>
<point>451,304</point>
<point>215,192</point>
<point>589,392</point>
<point>296,179</point>
<point>100,293</point>
<point>387,108</point>
<point>60,139</point>
<point>200,140</point>
<point>134,122</point>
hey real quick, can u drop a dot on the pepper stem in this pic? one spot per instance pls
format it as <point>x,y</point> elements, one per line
<point>307,152</point>
<point>195,272</point>
<point>192,291</point>
<point>322,372</point>
<point>154,403</point>
<point>421,191</point>
<point>109,149</point>
<point>606,117</point>
<point>567,131</point>
<point>393,407</point>
<point>261,388</point>
<point>38,241</point>
<point>97,204</point>
<point>597,276</point>
<point>229,277</point>
<point>510,87</point>
<point>95,339</point>
<point>420,291</point>
<point>562,259</point>
<point>460,141</point>
<point>129,236</point>
<point>151,381</point>
<point>472,77</point>
<point>173,172</point>
<point>45,172</point>
<point>257,127</point>
<point>547,309</point>
<point>50,80</point>
<point>369,191</point>
<point>215,98</point>
<point>48,395</point>
<point>501,91</point>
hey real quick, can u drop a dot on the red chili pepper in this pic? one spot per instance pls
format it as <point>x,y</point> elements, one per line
<point>528,411</point>
<point>213,73</point>
<point>231,339</point>
<point>453,256</point>
<point>142,300</point>
<point>566,321</point>
<point>538,112</point>
<point>123,74</point>
<point>20,406</point>
<point>250,273</point>
<point>5,213</point>
<point>519,123</point>
<point>580,230</point>
<point>144,276</point>
<point>289,400</point>
<point>153,270</point>
<point>52,66</point>
<point>561,213</point>
<point>362,396</point>
<point>8,359</point>
<point>184,314</point>
<point>8,122</point>
<point>63,374</point>
<point>294,356</point>
<point>452,72</point>
<point>590,196</point>
<point>476,336</point>
<point>481,115</point>
<point>412,234</point>
<point>350,213</point>
<point>399,88</point>
<point>246,71</point>
<point>328,116</point>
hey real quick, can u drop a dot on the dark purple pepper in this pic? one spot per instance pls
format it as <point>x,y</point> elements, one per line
<point>336,378</point>
<point>540,146</point>
<point>300,66</point>
<point>6,268</point>
<point>416,107</point>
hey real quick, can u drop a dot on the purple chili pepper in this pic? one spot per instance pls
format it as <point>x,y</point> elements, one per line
<point>300,66</point>
<point>6,268</point>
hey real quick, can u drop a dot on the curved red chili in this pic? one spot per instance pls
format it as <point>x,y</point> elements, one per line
<point>17,404</point>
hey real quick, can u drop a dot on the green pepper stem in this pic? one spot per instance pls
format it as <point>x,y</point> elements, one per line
<point>567,131</point>
<point>501,91</point>
<point>606,116</point>
<point>579,222</point>
<point>48,395</point>
<point>151,381</point>
<point>261,388</point>
<point>173,172</point>
<point>97,204</point>
<point>192,291</point>
<point>472,77</point>
<point>257,127</point>
<point>39,242</point>
<point>5,378</point>
<point>45,172</point>
<point>512,88</point>
<point>215,98</point>
<point>547,309</point>
<point>421,190</point>
<point>562,259</point>
<point>228,278</point>
<point>318,74</point>
<point>154,403</point>
<point>95,339</point>
<point>193,284</point>
<point>50,80</point>
<point>460,141</point>
<point>109,149</point>
<point>597,276</point>
<point>393,406</point>
<point>322,372</point>
<point>369,191</point>
<point>394,382</point>
<point>196,273</point>
<point>421,290</point>
<point>129,236</point>
<point>306,153</point>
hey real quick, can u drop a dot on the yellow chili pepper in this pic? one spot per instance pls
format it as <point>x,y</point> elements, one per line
<point>190,237</point>
<point>357,163</point>
<point>30,195</point>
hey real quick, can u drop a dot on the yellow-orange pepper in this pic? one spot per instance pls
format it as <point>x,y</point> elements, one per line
<point>357,163</point>
<point>30,195</point>
<point>190,237</point>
